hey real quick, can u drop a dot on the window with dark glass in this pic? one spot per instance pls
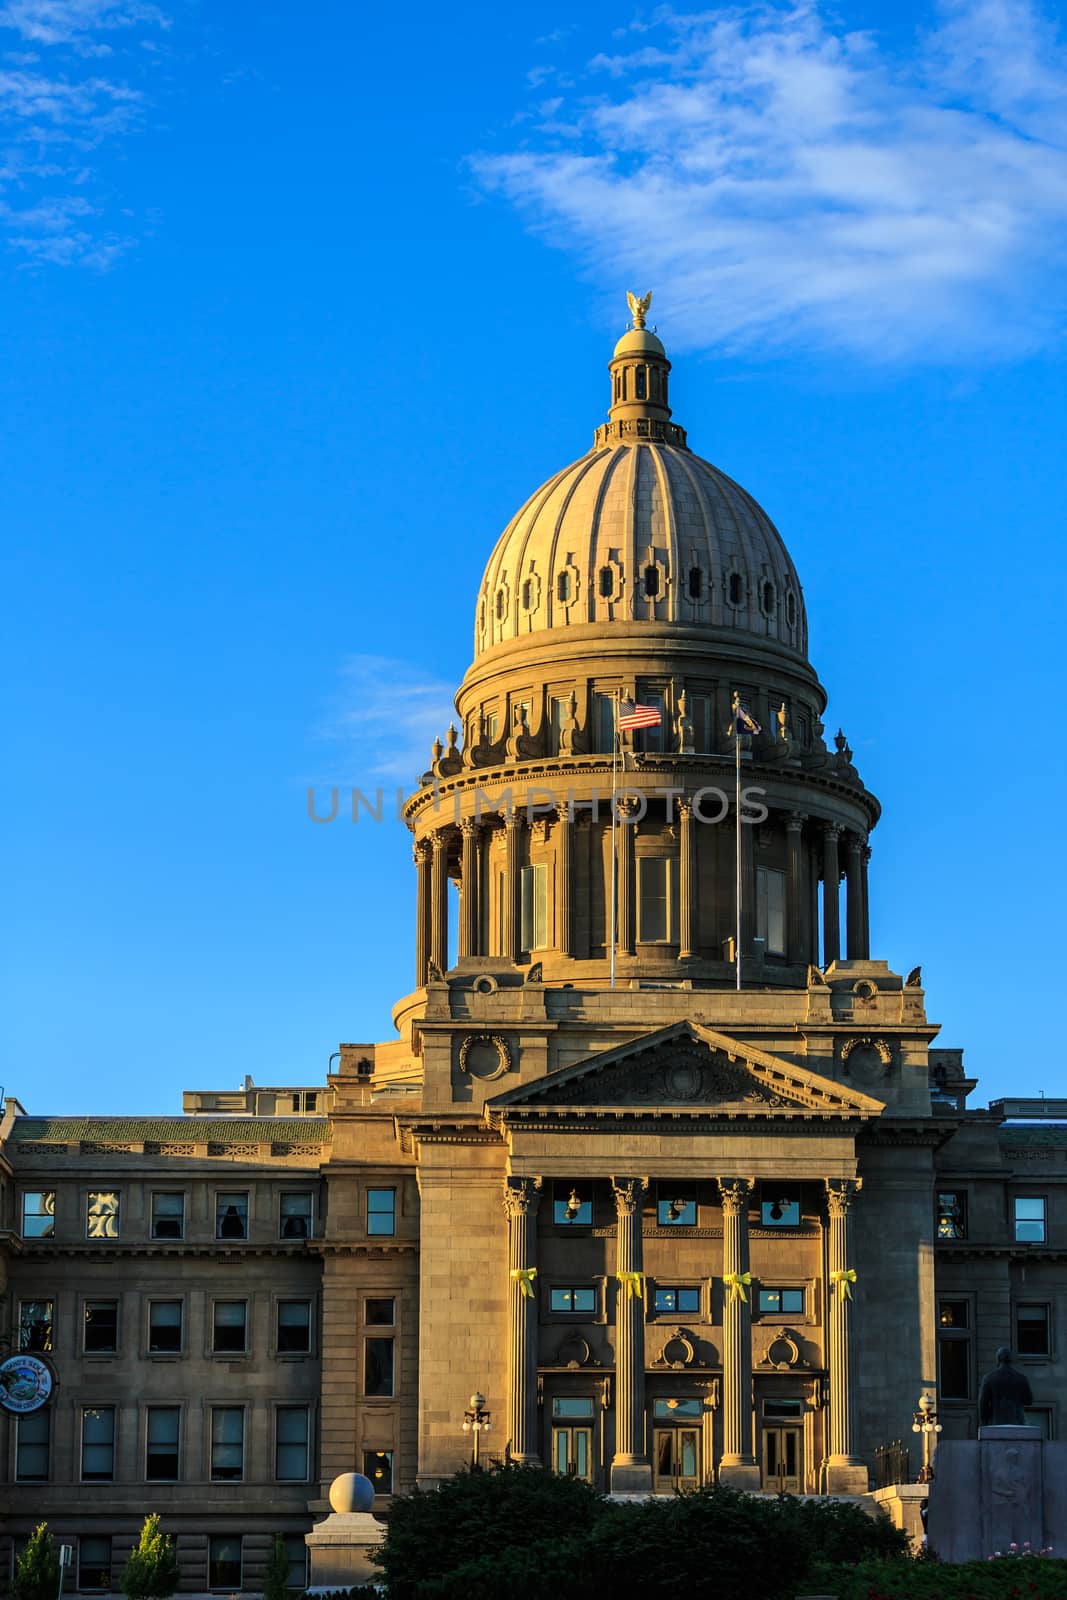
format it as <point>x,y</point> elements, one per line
<point>954,1349</point>
<point>230,1324</point>
<point>1032,1330</point>
<point>675,1209</point>
<point>378,1366</point>
<point>294,1326</point>
<point>1029,1219</point>
<point>291,1444</point>
<point>378,1467</point>
<point>98,1444</point>
<point>572,1298</point>
<point>779,1208</point>
<point>651,582</point>
<point>534,907</point>
<point>35,1325</point>
<point>380,1311</point>
<point>164,1327</point>
<point>297,1554</point>
<point>381,1211</point>
<point>735,588</point>
<point>770,909</point>
<point>38,1214</point>
<point>953,1314</point>
<point>670,1299</point>
<point>791,609</point>
<point>767,598</point>
<point>696,584</point>
<point>224,1561</point>
<point>31,1447</point>
<point>227,1442</point>
<point>675,1410</point>
<point>789,1301</point>
<point>557,716</point>
<point>295,1216</point>
<point>161,1447</point>
<point>657,898</point>
<point>604,723</point>
<point>101,1327</point>
<point>607,583</point>
<point>231,1216</point>
<point>641,383</point>
<point>951,1214</point>
<point>168,1216</point>
<point>570,1207</point>
<point>701,708</point>
<point>563,587</point>
<point>94,1563</point>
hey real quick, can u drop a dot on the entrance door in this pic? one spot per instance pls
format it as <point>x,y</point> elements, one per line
<point>781,1460</point>
<point>676,1457</point>
<point>572,1452</point>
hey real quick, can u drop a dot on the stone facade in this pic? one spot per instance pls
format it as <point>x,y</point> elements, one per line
<point>682,1206</point>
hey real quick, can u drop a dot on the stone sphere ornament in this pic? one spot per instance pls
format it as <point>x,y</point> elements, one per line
<point>351,1492</point>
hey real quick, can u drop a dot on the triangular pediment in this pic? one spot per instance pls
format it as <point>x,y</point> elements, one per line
<point>689,1067</point>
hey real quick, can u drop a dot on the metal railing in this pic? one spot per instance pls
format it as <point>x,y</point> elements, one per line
<point>892,1464</point>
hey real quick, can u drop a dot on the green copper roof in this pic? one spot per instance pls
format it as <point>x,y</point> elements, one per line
<point>173,1130</point>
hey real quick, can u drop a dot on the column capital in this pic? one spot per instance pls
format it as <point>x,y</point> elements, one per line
<point>513,821</point>
<point>439,839</point>
<point>470,827</point>
<point>866,852</point>
<point>854,843</point>
<point>832,831</point>
<point>684,806</point>
<point>521,1196</point>
<point>627,807</point>
<point>795,820</point>
<point>840,1193</point>
<point>564,811</point>
<point>420,852</point>
<point>735,1193</point>
<point>629,1194</point>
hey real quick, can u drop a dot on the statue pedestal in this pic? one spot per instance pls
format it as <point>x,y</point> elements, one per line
<point>1006,1488</point>
<point>340,1549</point>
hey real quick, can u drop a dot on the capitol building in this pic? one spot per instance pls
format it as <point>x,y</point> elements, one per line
<point>657,1156</point>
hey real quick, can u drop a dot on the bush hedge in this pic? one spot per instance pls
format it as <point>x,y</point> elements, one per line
<point>1009,1578</point>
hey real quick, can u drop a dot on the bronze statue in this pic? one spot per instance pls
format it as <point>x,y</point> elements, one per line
<point>1003,1394</point>
<point>639,304</point>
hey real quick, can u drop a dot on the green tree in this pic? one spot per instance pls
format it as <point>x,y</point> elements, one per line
<point>151,1573</point>
<point>276,1576</point>
<point>37,1568</point>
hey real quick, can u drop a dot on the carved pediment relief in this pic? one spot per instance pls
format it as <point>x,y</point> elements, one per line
<point>681,1075</point>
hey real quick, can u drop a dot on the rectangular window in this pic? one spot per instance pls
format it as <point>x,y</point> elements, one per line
<point>569,1208</point>
<point>294,1218</point>
<point>1032,1331</point>
<point>785,1407</point>
<point>230,1325</point>
<point>954,1360</point>
<point>101,1335</point>
<point>378,1467</point>
<point>574,1300</point>
<point>311,1102</point>
<point>161,1448</point>
<point>534,930</point>
<point>227,1442</point>
<point>953,1314</point>
<point>676,1210</point>
<point>98,1444</point>
<point>951,1214</point>
<point>35,1325</point>
<point>381,1211</point>
<point>94,1563</point>
<point>294,1327</point>
<point>492,727</point>
<point>39,1214</point>
<point>787,1301</point>
<point>168,1216</point>
<point>656,899</point>
<point>779,1208</point>
<point>651,739</point>
<point>378,1367</point>
<point>297,1552</point>
<point>380,1312</point>
<point>604,723</point>
<point>701,713</point>
<point>1039,1417</point>
<point>231,1216</point>
<point>291,1444</point>
<point>557,716</point>
<point>224,1561</point>
<point>31,1447</point>
<point>102,1214</point>
<point>164,1327</point>
<point>567,1406</point>
<point>675,1300</point>
<point>675,1410</point>
<point>1029,1219</point>
<point>770,909</point>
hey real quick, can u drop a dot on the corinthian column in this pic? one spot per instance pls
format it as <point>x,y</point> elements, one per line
<point>630,1468</point>
<point>564,878</point>
<point>421,853</point>
<point>795,942</point>
<point>521,1199</point>
<point>512,930</point>
<point>624,843</point>
<point>831,895</point>
<point>468,889</point>
<point>866,903</point>
<point>854,896</point>
<point>845,1472</point>
<point>738,1464</point>
<point>439,902</point>
<point>687,900</point>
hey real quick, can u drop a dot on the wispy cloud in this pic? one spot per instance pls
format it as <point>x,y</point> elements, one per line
<point>783,181</point>
<point>68,88</point>
<point>383,719</point>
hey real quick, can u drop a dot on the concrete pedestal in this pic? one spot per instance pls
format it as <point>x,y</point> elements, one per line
<point>340,1549</point>
<point>1004,1489</point>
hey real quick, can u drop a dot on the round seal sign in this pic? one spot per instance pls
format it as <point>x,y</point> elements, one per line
<point>26,1384</point>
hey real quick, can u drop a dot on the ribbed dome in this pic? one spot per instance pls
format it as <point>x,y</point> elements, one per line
<point>641,531</point>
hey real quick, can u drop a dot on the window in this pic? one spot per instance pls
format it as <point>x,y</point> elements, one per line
<point>527,594</point>
<point>674,1210</point>
<point>640,383</point>
<point>779,1208</point>
<point>534,931</point>
<point>785,1407</point>
<point>291,1444</point>
<point>94,1563</point>
<point>161,1448</point>
<point>294,1326</point>
<point>574,1300</point>
<point>492,727</point>
<point>770,909</point>
<point>294,1220</point>
<point>378,1467</point>
<point>650,740</point>
<point>227,1442</point>
<point>951,1214</point>
<point>306,1100</point>
<point>791,609</point>
<point>35,1325</point>
<point>224,1561</point>
<point>39,1214</point>
<point>656,899</point>
<point>572,1406</point>
<point>380,1312</point>
<point>607,583</point>
<point>501,605</point>
<point>701,708</point>
<point>381,1211</point>
<point>230,1325</point>
<point>569,1207</point>
<point>98,1444</point>
<point>563,588</point>
<point>604,723</point>
<point>953,1314</point>
<point>1032,1331</point>
<point>790,1301</point>
<point>676,1410</point>
<point>767,599</point>
<point>651,584</point>
<point>696,584</point>
<point>557,716</point>
<point>378,1367</point>
<point>102,1214</point>
<point>735,589</point>
<point>164,1327</point>
<point>1039,1417</point>
<point>1029,1219</point>
<point>231,1216</point>
<point>673,1300</point>
<point>101,1336</point>
<point>31,1447</point>
<point>954,1349</point>
<point>297,1552</point>
<point>168,1216</point>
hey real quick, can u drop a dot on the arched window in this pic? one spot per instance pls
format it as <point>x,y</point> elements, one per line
<point>607,583</point>
<point>735,589</point>
<point>791,609</point>
<point>651,582</point>
<point>696,583</point>
<point>767,598</point>
<point>641,383</point>
<point>563,587</point>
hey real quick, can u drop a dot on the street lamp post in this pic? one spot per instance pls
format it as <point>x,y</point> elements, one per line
<point>925,1422</point>
<point>476,1420</point>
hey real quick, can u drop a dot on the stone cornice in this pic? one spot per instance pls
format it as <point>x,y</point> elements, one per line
<point>373,1248</point>
<point>118,1249</point>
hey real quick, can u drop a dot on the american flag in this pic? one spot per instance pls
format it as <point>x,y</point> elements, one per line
<point>633,716</point>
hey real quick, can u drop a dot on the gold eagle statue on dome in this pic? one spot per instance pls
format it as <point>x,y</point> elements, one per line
<point>639,304</point>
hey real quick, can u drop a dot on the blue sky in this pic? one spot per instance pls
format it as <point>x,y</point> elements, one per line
<point>297,308</point>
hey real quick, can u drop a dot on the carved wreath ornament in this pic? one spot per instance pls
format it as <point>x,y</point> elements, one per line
<point>485,1056</point>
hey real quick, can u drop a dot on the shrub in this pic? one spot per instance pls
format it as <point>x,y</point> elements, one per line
<point>37,1568</point>
<point>1024,1578</point>
<point>276,1574</point>
<point>151,1573</point>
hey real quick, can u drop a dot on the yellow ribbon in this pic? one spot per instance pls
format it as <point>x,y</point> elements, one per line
<point>633,1283</point>
<point>843,1281</point>
<point>737,1282</point>
<point>524,1277</point>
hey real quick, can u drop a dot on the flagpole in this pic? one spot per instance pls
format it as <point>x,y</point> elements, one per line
<point>614,868</point>
<point>737,851</point>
